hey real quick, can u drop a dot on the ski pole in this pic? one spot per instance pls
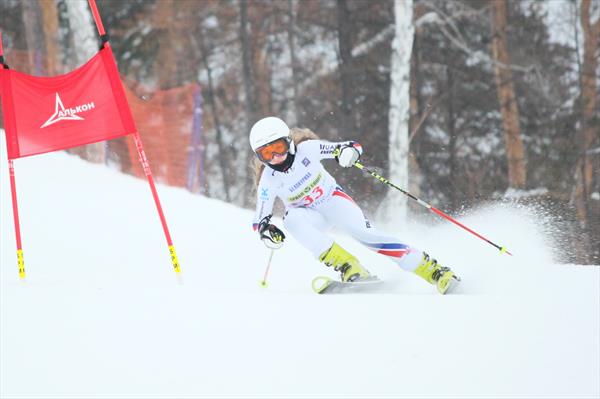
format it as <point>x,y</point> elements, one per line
<point>263,282</point>
<point>426,205</point>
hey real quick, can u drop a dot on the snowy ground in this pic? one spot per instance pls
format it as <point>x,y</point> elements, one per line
<point>102,314</point>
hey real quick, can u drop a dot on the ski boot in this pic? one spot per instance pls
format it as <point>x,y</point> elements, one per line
<point>345,263</point>
<point>434,273</point>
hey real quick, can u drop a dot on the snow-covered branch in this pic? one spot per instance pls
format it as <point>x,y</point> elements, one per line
<point>366,46</point>
<point>443,21</point>
<point>361,49</point>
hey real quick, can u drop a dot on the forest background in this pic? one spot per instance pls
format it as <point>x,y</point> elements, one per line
<point>501,106</point>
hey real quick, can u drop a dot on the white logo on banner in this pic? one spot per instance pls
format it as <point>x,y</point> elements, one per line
<point>67,114</point>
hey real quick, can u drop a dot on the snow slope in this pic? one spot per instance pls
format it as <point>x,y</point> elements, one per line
<point>102,314</point>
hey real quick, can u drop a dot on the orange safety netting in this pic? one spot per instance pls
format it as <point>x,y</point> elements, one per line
<point>170,134</point>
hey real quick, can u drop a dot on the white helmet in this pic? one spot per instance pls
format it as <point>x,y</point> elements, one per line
<point>267,130</point>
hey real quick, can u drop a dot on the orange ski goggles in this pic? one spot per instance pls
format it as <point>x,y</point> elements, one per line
<point>267,152</point>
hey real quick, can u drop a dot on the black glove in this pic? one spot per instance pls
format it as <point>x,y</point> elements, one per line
<point>270,235</point>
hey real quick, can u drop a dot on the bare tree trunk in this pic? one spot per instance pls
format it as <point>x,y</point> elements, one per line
<point>249,86</point>
<point>417,107</point>
<point>50,27</point>
<point>517,173</point>
<point>210,93</point>
<point>85,40</point>
<point>85,36</point>
<point>345,29</point>
<point>167,60</point>
<point>247,72</point>
<point>293,60</point>
<point>451,126</point>
<point>589,114</point>
<point>261,60</point>
<point>32,21</point>
<point>394,206</point>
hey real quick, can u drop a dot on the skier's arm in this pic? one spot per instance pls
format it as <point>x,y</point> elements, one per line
<point>270,235</point>
<point>265,198</point>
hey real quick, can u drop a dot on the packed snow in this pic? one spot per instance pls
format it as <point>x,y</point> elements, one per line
<point>102,313</point>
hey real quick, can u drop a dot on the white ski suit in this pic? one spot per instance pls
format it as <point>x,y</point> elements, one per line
<point>314,203</point>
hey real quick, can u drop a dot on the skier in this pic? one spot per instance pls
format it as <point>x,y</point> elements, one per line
<point>288,166</point>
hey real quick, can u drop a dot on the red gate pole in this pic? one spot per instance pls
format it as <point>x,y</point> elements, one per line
<point>163,220</point>
<point>13,192</point>
<point>97,18</point>
<point>141,153</point>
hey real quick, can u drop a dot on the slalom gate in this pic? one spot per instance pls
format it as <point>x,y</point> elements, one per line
<point>87,105</point>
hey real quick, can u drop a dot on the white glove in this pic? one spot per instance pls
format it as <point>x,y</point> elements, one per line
<point>347,156</point>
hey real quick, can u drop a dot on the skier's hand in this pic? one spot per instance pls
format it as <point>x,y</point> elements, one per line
<point>270,235</point>
<point>348,154</point>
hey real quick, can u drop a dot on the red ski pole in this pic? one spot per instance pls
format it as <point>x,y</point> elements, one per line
<point>426,205</point>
